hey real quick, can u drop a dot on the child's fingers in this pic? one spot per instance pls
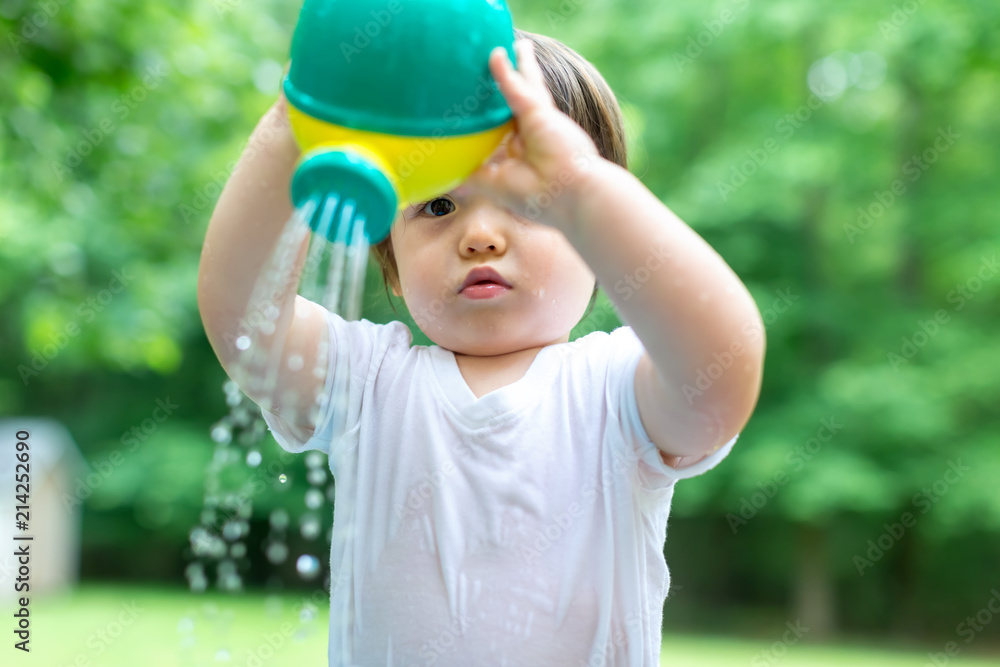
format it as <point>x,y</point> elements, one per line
<point>521,94</point>
<point>528,63</point>
<point>507,182</point>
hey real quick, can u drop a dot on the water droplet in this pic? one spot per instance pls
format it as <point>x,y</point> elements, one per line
<point>231,582</point>
<point>279,519</point>
<point>254,458</point>
<point>308,566</point>
<point>295,363</point>
<point>282,478</point>
<point>277,552</point>
<point>314,499</point>
<point>243,343</point>
<point>222,434</point>
<point>314,459</point>
<point>241,417</point>
<point>309,526</point>
<point>316,476</point>
<point>232,530</point>
<point>200,541</point>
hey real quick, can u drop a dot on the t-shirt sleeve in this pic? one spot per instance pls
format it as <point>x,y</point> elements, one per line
<point>357,349</point>
<point>652,472</point>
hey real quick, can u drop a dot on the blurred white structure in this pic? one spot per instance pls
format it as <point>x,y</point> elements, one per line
<point>55,514</point>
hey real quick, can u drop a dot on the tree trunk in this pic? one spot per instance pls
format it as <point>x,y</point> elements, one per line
<point>814,604</point>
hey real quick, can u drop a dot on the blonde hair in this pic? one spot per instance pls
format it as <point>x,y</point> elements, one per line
<point>581,93</point>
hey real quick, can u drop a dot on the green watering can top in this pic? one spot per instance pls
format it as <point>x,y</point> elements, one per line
<point>401,67</point>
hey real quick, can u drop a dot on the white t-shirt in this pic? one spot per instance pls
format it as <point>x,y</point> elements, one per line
<point>525,527</point>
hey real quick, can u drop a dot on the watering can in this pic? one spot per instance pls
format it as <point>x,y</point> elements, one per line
<point>392,102</point>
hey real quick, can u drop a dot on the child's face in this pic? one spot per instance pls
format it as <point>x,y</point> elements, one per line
<point>435,249</point>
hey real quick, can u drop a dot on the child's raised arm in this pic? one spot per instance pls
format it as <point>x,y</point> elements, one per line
<point>245,228</point>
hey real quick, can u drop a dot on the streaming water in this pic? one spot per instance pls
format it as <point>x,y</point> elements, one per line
<point>280,374</point>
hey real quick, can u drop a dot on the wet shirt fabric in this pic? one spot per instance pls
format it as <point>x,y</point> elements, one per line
<point>523,527</point>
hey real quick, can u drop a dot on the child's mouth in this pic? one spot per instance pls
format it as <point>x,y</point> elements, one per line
<point>484,290</point>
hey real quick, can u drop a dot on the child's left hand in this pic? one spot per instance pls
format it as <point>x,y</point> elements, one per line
<point>537,172</point>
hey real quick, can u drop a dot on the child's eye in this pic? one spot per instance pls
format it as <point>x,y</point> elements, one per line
<point>436,207</point>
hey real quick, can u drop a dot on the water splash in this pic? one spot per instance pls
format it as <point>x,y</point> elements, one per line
<point>276,372</point>
<point>308,566</point>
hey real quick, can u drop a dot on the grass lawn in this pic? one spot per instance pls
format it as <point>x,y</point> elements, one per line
<point>121,626</point>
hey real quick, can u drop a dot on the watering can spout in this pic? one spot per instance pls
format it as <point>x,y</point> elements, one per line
<point>394,103</point>
<point>357,180</point>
